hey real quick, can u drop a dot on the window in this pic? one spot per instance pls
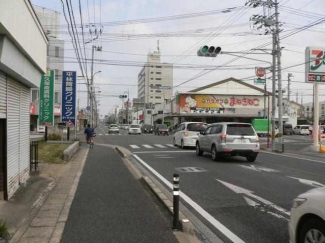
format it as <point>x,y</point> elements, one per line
<point>158,97</point>
<point>194,127</point>
<point>158,66</point>
<point>151,72</point>
<point>151,97</point>
<point>148,112</point>
<point>158,78</point>
<point>158,72</point>
<point>182,127</point>
<point>158,91</point>
<point>151,78</point>
<point>34,95</point>
<point>240,129</point>
<point>57,51</point>
<point>208,131</point>
<point>57,98</point>
<point>151,90</point>
<point>56,74</point>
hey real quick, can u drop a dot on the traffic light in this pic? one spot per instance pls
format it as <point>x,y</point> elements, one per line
<point>209,51</point>
<point>122,96</point>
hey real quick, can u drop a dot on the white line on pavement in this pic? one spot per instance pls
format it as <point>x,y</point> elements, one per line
<point>160,146</point>
<point>170,145</point>
<point>294,157</point>
<point>134,146</point>
<point>147,146</point>
<point>170,151</point>
<point>230,235</point>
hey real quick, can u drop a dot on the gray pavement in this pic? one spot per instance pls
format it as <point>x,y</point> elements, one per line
<point>111,205</point>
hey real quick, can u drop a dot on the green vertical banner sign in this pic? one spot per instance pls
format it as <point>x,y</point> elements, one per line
<point>46,104</point>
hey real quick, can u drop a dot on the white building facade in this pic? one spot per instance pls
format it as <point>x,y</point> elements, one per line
<point>23,46</point>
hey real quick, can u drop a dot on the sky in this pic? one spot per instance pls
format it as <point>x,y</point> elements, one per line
<point>232,30</point>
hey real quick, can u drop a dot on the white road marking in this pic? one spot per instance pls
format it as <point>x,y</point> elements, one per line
<point>259,168</point>
<point>250,202</point>
<point>308,182</point>
<point>240,190</point>
<point>165,157</point>
<point>170,145</point>
<point>171,151</point>
<point>100,134</point>
<point>294,157</point>
<point>160,146</point>
<point>134,146</point>
<point>230,235</point>
<point>147,146</point>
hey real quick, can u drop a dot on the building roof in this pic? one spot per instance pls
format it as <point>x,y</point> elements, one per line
<point>227,80</point>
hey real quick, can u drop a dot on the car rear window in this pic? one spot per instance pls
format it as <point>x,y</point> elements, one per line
<point>113,126</point>
<point>240,129</point>
<point>134,126</point>
<point>162,126</point>
<point>194,127</point>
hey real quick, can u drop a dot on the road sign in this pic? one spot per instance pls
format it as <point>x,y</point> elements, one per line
<point>69,97</point>
<point>260,72</point>
<point>259,81</point>
<point>315,65</point>
<point>46,105</point>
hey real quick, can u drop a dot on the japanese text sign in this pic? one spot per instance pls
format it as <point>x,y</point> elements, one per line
<point>69,97</point>
<point>315,65</point>
<point>46,114</point>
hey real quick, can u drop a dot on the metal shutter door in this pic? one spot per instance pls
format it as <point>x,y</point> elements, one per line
<point>24,132</point>
<point>3,93</point>
<point>13,127</point>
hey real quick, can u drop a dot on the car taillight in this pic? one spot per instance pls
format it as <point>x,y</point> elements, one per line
<point>185,134</point>
<point>257,139</point>
<point>223,138</point>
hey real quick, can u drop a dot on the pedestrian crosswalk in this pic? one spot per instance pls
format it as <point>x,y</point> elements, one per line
<point>164,146</point>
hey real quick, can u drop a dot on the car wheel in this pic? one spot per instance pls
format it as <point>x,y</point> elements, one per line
<point>312,231</point>
<point>199,152</point>
<point>174,142</point>
<point>182,144</point>
<point>251,158</point>
<point>214,153</point>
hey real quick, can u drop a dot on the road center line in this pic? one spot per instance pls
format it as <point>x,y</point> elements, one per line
<point>230,235</point>
<point>170,151</point>
<point>294,157</point>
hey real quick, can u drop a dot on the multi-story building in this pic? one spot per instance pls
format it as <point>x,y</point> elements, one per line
<point>50,21</point>
<point>155,84</point>
<point>23,45</point>
<point>153,75</point>
<point>309,110</point>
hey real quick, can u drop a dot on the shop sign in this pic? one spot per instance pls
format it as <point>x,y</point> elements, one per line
<point>315,65</point>
<point>46,113</point>
<point>69,97</point>
<point>259,81</point>
<point>57,110</point>
<point>32,109</point>
<point>260,72</point>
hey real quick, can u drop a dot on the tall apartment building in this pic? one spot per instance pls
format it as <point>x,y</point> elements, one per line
<point>153,75</point>
<point>309,109</point>
<point>50,21</point>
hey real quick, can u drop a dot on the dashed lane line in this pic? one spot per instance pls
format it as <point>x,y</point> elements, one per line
<point>147,146</point>
<point>294,157</point>
<point>134,146</point>
<point>160,146</point>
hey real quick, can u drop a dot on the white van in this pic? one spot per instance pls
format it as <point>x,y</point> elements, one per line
<point>301,130</point>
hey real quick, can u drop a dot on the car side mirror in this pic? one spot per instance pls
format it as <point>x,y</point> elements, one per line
<point>202,132</point>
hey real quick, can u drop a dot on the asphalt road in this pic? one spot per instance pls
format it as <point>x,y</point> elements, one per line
<point>236,200</point>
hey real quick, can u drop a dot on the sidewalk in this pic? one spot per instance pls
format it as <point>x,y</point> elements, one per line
<point>111,205</point>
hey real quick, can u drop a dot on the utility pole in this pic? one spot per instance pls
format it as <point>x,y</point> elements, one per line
<point>273,89</point>
<point>91,85</point>
<point>290,75</point>
<point>127,108</point>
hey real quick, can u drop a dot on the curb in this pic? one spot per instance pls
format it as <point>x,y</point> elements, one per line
<point>123,155</point>
<point>185,224</point>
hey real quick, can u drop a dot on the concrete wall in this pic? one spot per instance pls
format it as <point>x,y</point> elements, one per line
<point>22,27</point>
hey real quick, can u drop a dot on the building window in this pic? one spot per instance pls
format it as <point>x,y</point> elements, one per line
<point>158,91</point>
<point>56,74</point>
<point>57,98</point>
<point>148,112</point>
<point>158,66</point>
<point>151,90</point>
<point>34,96</point>
<point>151,97</point>
<point>158,72</point>
<point>158,97</point>
<point>57,51</point>
<point>151,72</point>
<point>158,78</point>
<point>151,78</point>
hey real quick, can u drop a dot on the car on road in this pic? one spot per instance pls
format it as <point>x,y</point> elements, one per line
<point>307,219</point>
<point>147,129</point>
<point>287,129</point>
<point>125,127</point>
<point>187,134</point>
<point>229,138</point>
<point>134,129</point>
<point>161,129</point>
<point>301,130</point>
<point>113,128</point>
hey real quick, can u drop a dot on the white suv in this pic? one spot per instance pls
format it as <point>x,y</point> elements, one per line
<point>113,128</point>
<point>307,221</point>
<point>187,134</point>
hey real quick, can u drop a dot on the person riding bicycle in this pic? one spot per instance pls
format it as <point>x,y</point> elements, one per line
<point>89,131</point>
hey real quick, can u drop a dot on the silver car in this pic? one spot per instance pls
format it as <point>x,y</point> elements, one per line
<point>229,138</point>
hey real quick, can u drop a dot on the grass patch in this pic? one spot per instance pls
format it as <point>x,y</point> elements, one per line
<point>51,153</point>
<point>3,229</point>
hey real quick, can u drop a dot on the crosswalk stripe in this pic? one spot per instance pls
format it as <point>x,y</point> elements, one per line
<point>160,146</point>
<point>100,134</point>
<point>134,146</point>
<point>170,145</point>
<point>147,146</point>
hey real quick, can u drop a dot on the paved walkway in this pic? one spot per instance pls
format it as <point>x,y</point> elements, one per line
<point>111,205</point>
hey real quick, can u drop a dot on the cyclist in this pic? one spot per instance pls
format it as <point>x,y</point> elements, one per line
<point>89,131</point>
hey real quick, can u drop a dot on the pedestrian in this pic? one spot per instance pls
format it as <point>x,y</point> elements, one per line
<point>89,131</point>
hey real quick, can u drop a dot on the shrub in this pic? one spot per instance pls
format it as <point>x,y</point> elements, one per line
<point>54,137</point>
<point>3,229</point>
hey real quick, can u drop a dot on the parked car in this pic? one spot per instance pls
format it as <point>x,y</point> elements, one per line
<point>113,128</point>
<point>307,219</point>
<point>229,138</point>
<point>147,129</point>
<point>126,127</point>
<point>187,134</point>
<point>287,129</point>
<point>134,129</point>
<point>161,129</point>
<point>301,130</point>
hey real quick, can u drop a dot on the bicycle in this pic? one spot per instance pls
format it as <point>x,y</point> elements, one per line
<point>91,143</point>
